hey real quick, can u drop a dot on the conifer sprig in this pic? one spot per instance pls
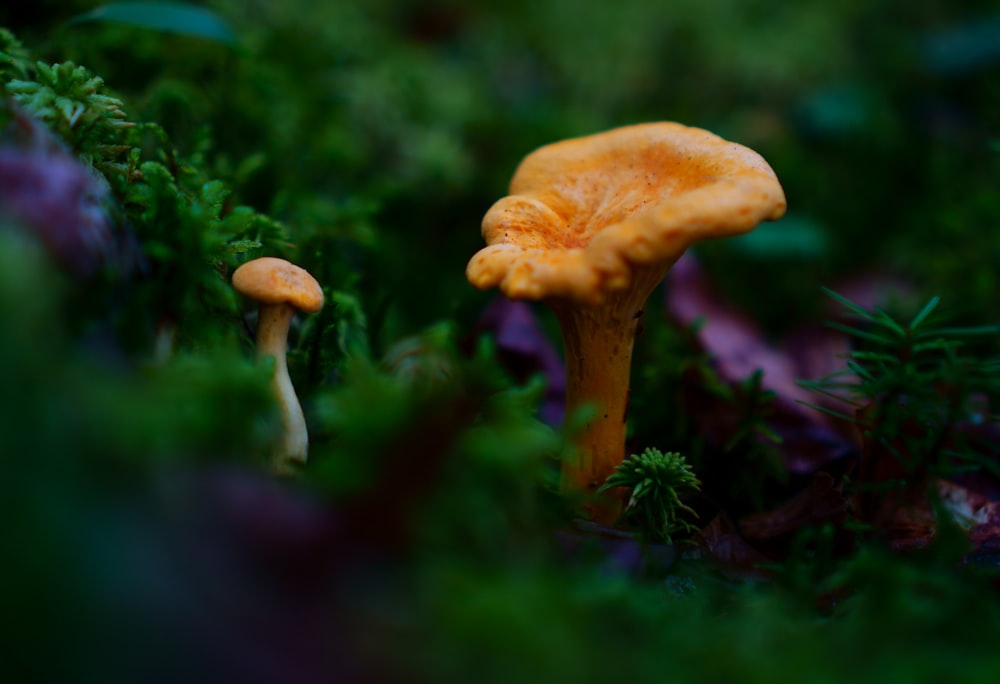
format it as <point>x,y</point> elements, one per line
<point>919,373</point>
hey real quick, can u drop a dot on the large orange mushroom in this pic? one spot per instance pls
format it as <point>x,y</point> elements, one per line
<point>590,227</point>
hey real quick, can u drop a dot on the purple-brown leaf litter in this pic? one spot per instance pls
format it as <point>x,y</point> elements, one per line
<point>525,351</point>
<point>737,348</point>
<point>820,502</point>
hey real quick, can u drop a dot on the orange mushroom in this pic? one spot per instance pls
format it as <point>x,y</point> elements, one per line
<point>281,288</point>
<point>590,227</point>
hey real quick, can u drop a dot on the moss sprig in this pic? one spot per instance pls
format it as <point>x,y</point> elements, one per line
<point>14,56</point>
<point>188,224</point>
<point>656,480</point>
<point>75,105</point>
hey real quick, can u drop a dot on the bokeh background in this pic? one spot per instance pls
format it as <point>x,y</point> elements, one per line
<point>391,126</point>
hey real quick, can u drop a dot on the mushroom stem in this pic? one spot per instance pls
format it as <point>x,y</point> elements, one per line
<point>598,345</point>
<point>273,323</point>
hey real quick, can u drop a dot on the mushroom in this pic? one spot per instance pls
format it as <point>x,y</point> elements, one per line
<point>281,288</point>
<point>590,227</point>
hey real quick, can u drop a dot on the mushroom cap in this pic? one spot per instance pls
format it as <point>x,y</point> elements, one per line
<point>270,280</point>
<point>583,215</point>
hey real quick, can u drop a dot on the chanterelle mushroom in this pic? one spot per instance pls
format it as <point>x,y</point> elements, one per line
<point>590,227</point>
<point>281,288</point>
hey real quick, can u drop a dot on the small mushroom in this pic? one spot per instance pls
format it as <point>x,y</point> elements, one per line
<point>281,288</point>
<point>590,227</point>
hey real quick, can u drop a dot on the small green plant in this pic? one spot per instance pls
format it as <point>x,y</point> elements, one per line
<point>911,390</point>
<point>657,481</point>
<point>191,227</point>
<point>13,56</point>
<point>75,105</point>
<point>752,442</point>
<point>920,371</point>
<point>723,427</point>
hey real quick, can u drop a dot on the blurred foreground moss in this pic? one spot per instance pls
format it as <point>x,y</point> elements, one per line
<point>106,567</point>
<point>80,433</point>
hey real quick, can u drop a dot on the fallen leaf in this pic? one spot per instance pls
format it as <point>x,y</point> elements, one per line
<point>820,502</point>
<point>737,348</point>
<point>734,556</point>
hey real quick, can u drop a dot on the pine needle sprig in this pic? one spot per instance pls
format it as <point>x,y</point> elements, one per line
<point>918,373</point>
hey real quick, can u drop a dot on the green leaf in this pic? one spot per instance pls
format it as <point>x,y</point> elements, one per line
<point>971,330</point>
<point>882,318</point>
<point>861,311</point>
<point>889,359</point>
<point>828,389</point>
<point>935,345</point>
<point>829,411</point>
<point>858,332</point>
<point>924,312</point>
<point>166,17</point>
<point>860,371</point>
